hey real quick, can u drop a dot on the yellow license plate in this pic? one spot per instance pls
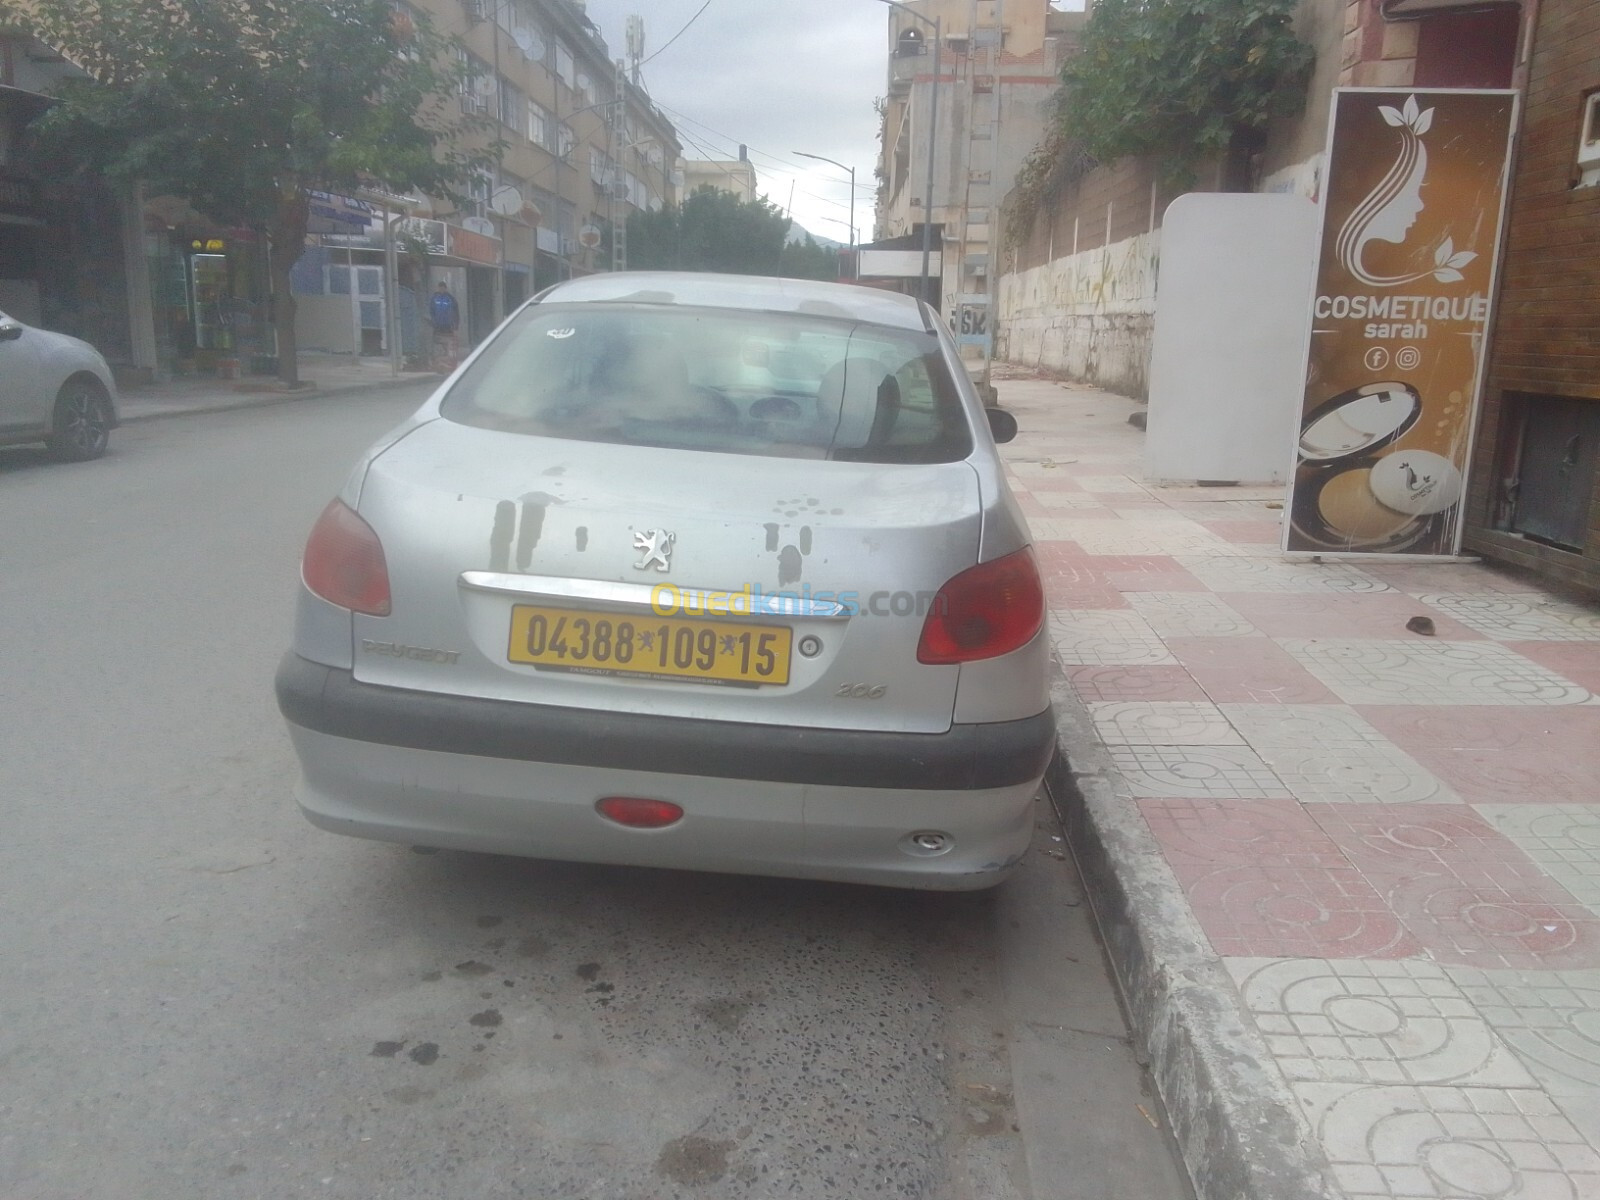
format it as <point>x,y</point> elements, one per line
<point>597,643</point>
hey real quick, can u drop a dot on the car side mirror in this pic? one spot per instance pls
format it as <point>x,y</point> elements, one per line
<point>10,331</point>
<point>1001,423</point>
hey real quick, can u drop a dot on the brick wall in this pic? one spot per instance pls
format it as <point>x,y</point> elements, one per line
<point>1546,340</point>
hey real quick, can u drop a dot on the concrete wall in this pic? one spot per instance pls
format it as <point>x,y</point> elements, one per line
<point>1087,315</point>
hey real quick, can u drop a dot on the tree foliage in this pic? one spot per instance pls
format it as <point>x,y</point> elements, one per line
<point>710,231</point>
<point>1183,80</point>
<point>242,107</point>
<point>808,259</point>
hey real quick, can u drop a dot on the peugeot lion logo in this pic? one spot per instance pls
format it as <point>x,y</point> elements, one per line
<point>657,547</point>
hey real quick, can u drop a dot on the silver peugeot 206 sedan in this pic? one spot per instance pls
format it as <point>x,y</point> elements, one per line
<point>694,571</point>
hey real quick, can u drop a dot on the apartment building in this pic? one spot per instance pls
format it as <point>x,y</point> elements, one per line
<point>581,146</point>
<point>736,176</point>
<point>983,92</point>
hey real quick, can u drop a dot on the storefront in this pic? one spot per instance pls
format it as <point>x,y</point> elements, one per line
<point>209,292</point>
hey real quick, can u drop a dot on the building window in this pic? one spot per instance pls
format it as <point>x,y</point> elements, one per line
<point>909,43</point>
<point>540,125</point>
<point>478,188</point>
<point>513,107</point>
<point>565,71</point>
<point>477,84</point>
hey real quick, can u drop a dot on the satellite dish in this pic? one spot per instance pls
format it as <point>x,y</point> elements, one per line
<point>589,236</point>
<point>507,201</point>
<point>583,82</point>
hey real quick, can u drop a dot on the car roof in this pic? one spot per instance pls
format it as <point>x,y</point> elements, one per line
<point>750,292</point>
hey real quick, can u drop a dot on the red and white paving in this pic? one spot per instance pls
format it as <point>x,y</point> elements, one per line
<point>1392,841</point>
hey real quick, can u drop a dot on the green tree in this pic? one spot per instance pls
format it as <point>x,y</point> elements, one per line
<point>806,259</point>
<point>1182,80</point>
<point>243,107</point>
<point>710,231</point>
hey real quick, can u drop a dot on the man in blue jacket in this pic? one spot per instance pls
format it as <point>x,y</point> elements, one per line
<point>445,317</point>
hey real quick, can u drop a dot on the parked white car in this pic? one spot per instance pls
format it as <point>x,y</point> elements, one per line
<point>54,389</point>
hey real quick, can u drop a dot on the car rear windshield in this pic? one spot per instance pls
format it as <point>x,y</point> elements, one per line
<point>779,384</point>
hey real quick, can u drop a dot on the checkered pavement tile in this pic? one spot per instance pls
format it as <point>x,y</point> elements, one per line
<point>1423,671</point>
<point>1450,1143</point>
<point>1519,618</point>
<point>1189,614</point>
<point>1501,755</point>
<point>1550,1018</point>
<point>1328,753</point>
<point>1164,723</point>
<point>1267,574</point>
<point>1466,892</point>
<point>1263,881</point>
<point>1102,637</point>
<point>1247,533</point>
<point>1245,670</point>
<point>1199,772</point>
<point>1339,615</point>
<point>1417,578</point>
<point>1375,1022</point>
<point>1563,839</point>
<point>1133,683</point>
<point>1577,661</point>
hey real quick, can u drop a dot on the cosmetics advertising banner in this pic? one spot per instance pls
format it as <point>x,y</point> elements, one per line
<point>1413,192</point>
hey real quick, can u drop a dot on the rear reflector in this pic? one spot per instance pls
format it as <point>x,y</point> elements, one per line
<point>986,611</point>
<point>639,813</point>
<point>344,562</point>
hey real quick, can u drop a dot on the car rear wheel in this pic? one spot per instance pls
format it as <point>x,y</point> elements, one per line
<point>81,426</point>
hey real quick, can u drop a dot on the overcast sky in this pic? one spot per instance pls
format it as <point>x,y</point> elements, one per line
<point>779,76</point>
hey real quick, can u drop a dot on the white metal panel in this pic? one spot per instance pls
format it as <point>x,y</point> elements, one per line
<point>1227,367</point>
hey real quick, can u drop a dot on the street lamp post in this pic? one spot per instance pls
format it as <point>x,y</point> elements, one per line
<point>933,125</point>
<point>852,170</point>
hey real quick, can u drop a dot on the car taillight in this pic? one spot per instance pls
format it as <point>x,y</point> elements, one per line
<point>639,812</point>
<point>986,611</point>
<point>344,562</point>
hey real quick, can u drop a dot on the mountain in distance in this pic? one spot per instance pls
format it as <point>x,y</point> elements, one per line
<point>798,233</point>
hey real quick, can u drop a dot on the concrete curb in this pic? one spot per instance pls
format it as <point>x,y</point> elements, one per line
<point>1237,1125</point>
<point>273,399</point>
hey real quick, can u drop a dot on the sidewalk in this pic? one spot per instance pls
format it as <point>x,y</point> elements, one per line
<point>1349,875</point>
<point>328,374</point>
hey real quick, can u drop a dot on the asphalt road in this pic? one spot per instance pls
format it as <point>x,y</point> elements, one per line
<point>202,996</point>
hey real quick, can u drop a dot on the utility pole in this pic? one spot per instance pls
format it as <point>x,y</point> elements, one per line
<point>852,171</point>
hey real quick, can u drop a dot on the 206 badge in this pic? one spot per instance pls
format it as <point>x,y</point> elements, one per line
<point>657,547</point>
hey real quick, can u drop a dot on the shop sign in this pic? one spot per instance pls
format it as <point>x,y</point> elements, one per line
<point>474,247</point>
<point>338,214</point>
<point>420,229</point>
<point>1411,216</point>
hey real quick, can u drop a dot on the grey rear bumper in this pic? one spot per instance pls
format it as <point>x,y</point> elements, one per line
<point>331,701</point>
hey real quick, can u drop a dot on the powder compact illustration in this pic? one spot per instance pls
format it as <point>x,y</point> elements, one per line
<point>1350,496</point>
